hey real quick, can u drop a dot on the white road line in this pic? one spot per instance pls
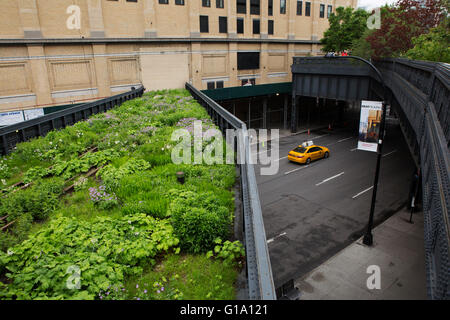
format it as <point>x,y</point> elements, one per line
<point>328,179</point>
<point>345,139</point>
<point>281,158</point>
<point>386,154</point>
<point>273,239</point>
<point>357,195</point>
<point>296,169</point>
<point>353,149</point>
<point>318,137</point>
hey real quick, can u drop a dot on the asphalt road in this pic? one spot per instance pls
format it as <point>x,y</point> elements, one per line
<point>313,211</point>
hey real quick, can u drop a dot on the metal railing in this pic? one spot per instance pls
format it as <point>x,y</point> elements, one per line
<point>11,135</point>
<point>422,90</point>
<point>259,270</point>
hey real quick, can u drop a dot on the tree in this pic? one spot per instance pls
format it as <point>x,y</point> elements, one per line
<point>361,47</point>
<point>401,23</point>
<point>346,26</point>
<point>433,46</point>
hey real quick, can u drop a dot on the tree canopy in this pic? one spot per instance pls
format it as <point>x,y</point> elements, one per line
<point>346,25</point>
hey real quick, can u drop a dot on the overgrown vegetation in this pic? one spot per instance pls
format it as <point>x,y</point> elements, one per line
<point>127,228</point>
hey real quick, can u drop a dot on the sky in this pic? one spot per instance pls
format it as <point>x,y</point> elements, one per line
<point>371,4</point>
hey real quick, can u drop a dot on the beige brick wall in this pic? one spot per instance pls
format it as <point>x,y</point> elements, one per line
<point>42,74</point>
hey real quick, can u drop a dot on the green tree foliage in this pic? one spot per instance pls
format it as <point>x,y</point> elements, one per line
<point>433,46</point>
<point>346,26</point>
<point>361,47</point>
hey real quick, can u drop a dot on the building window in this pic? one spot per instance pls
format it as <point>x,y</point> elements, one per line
<point>247,60</point>
<point>179,2</point>
<point>241,6</point>
<point>308,9</point>
<point>283,6</point>
<point>204,24</point>
<point>270,7</point>
<point>219,4</point>
<point>206,3</point>
<point>240,25</point>
<point>322,11</point>
<point>211,85</point>
<point>254,6</point>
<point>270,27</point>
<point>131,0</point>
<point>223,28</point>
<point>299,7</point>
<point>163,1</point>
<point>330,10</point>
<point>255,26</point>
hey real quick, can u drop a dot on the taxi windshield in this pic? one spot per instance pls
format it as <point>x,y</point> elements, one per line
<point>299,150</point>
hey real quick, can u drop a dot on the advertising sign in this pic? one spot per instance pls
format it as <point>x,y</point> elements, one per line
<point>369,125</point>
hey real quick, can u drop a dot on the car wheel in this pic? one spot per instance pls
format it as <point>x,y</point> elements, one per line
<point>326,155</point>
<point>308,161</point>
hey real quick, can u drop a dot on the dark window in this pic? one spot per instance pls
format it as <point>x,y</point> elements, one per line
<point>255,26</point>
<point>247,60</point>
<point>211,85</point>
<point>299,7</point>
<point>246,82</point>
<point>240,25</point>
<point>219,84</point>
<point>163,1</point>
<point>241,6</point>
<point>330,10</point>
<point>299,150</point>
<point>254,6</point>
<point>307,9</point>
<point>179,2</point>
<point>219,3</point>
<point>206,3</point>
<point>204,24</point>
<point>270,7</point>
<point>283,6</point>
<point>322,11</point>
<point>131,0</point>
<point>223,28</point>
<point>270,27</point>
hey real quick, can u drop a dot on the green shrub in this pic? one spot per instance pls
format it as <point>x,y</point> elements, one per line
<point>198,219</point>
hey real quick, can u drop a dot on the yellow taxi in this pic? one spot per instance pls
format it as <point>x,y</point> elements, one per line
<point>307,152</point>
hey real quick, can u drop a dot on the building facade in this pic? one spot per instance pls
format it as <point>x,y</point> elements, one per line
<point>68,51</point>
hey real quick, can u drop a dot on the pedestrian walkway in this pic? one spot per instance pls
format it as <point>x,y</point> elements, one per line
<point>398,251</point>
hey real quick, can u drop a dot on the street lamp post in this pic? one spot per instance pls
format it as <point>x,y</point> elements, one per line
<point>368,237</point>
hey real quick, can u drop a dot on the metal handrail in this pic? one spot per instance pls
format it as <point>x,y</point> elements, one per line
<point>259,270</point>
<point>20,132</point>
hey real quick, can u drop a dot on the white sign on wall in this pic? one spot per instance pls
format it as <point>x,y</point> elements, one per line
<point>369,125</point>
<point>33,113</point>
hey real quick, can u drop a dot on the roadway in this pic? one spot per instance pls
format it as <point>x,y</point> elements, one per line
<point>313,211</point>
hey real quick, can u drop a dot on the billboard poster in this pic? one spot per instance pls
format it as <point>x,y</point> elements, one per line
<point>369,125</point>
<point>9,118</point>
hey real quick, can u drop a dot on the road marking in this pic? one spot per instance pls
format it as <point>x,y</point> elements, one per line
<point>273,239</point>
<point>386,154</point>
<point>333,177</point>
<point>354,149</point>
<point>318,137</point>
<point>296,169</point>
<point>345,139</point>
<point>281,158</point>
<point>357,195</point>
